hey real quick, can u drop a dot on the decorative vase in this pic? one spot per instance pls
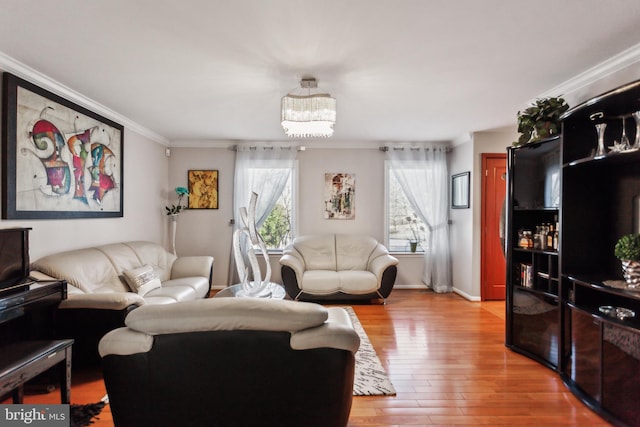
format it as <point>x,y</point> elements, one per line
<point>600,127</point>
<point>413,246</point>
<point>631,273</point>
<point>636,142</point>
<point>174,226</point>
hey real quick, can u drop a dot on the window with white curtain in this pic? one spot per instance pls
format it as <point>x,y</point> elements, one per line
<point>417,207</point>
<point>403,224</point>
<point>269,171</point>
<point>277,228</point>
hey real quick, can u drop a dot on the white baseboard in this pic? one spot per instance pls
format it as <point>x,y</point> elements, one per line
<point>466,295</point>
<point>457,291</point>
<point>420,286</point>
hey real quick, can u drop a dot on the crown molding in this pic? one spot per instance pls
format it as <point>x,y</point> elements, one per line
<point>25,72</point>
<point>612,65</point>
<point>312,144</point>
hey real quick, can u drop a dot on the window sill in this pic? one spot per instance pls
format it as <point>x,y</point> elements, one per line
<point>407,254</point>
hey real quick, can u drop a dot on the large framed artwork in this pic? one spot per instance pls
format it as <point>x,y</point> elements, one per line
<point>203,189</point>
<point>59,160</point>
<point>339,196</point>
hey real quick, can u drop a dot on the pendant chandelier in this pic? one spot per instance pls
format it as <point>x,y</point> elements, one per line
<point>307,113</point>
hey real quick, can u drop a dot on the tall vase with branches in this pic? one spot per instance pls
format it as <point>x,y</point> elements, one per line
<point>173,211</point>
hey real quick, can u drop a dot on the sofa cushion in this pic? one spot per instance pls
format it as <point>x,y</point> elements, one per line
<point>121,257</point>
<point>320,282</point>
<point>89,270</point>
<point>319,252</point>
<point>353,251</point>
<point>357,282</point>
<point>178,293</point>
<point>154,255</point>
<point>200,285</point>
<point>223,314</point>
<point>142,280</point>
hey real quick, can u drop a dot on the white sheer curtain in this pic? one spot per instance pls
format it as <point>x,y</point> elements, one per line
<point>422,174</point>
<point>264,170</point>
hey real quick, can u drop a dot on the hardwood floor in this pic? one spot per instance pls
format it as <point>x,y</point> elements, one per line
<point>447,360</point>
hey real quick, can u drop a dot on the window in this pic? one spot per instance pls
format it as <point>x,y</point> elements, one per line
<point>403,225</point>
<point>271,173</point>
<point>277,229</point>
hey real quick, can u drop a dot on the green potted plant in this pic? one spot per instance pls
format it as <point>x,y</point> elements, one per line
<point>627,249</point>
<point>416,232</point>
<point>540,120</point>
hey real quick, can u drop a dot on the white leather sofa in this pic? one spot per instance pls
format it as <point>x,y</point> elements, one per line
<point>337,267</point>
<point>105,283</point>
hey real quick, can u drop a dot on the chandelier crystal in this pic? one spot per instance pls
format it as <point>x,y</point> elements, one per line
<point>309,113</point>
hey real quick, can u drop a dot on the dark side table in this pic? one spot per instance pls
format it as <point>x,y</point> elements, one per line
<point>23,360</point>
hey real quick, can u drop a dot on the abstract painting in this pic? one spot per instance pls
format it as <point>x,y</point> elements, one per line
<point>339,197</point>
<point>59,160</point>
<point>203,189</point>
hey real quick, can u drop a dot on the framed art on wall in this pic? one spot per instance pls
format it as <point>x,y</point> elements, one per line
<point>339,197</point>
<point>59,160</point>
<point>460,190</point>
<point>203,189</point>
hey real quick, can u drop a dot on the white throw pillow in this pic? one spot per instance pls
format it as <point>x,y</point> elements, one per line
<point>142,280</point>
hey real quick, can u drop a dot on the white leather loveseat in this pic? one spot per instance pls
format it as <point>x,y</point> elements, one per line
<point>105,283</point>
<point>337,267</point>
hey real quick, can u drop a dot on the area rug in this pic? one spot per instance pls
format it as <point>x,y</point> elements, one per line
<point>370,378</point>
<point>83,415</point>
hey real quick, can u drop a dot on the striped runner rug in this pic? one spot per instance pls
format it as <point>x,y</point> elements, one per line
<point>371,379</point>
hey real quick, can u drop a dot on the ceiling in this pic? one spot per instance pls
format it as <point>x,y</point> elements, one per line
<point>401,70</point>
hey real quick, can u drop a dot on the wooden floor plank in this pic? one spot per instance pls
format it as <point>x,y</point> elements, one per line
<point>447,360</point>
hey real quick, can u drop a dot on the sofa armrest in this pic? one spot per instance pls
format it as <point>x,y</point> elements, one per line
<point>295,262</point>
<point>102,301</point>
<point>124,341</point>
<point>379,264</point>
<point>190,266</point>
<point>337,332</point>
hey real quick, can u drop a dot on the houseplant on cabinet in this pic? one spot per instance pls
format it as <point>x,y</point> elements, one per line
<point>627,249</point>
<point>541,120</point>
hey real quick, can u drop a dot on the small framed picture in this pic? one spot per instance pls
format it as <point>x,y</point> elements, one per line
<point>460,190</point>
<point>203,189</point>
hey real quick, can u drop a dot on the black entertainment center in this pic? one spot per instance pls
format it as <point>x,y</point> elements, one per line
<point>559,297</point>
<point>27,321</point>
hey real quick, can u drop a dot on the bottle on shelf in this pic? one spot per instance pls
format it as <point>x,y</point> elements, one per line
<point>525,240</point>
<point>550,234</point>
<point>555,238</point>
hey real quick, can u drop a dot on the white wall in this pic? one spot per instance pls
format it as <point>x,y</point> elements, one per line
<point>461,228</point>
<point>144,177</point>
<point>207,232</point>
<point>368,167</point>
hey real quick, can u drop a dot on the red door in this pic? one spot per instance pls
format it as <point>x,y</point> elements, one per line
<point>493,262</point>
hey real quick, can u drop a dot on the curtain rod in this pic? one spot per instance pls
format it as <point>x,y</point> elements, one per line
<point>254,147</point>
<point>385,148</point>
